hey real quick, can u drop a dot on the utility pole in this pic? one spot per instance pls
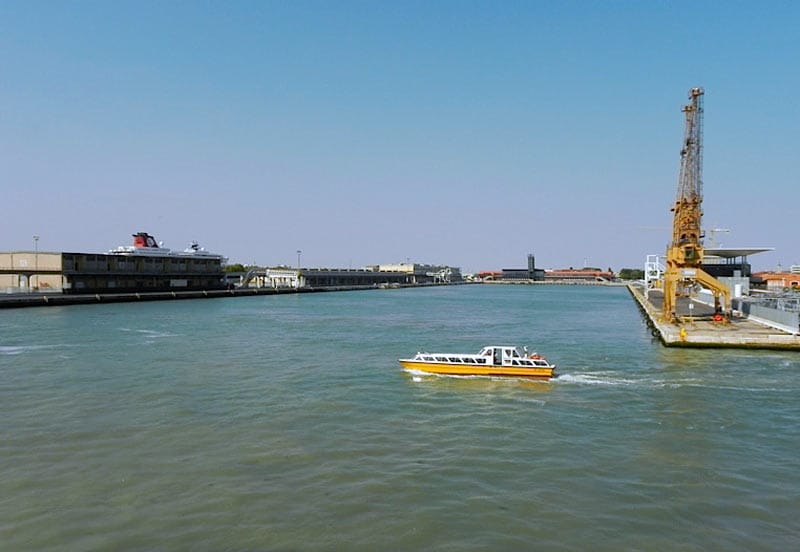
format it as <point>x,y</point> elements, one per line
<point>36,261</point>
<point>297,285</point>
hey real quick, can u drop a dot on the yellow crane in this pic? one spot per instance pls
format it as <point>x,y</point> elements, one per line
<point>684,275</point>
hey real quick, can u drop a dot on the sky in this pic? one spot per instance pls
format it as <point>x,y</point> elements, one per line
<point>369,132</point>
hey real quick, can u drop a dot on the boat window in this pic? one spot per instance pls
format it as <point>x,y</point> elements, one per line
<point>470,360</point>
<point>515,362</point>
<point>453,359</point>
<point>441,359</point>
<point>480,360</point>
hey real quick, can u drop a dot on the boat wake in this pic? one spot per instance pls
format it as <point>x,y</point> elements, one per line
<point>21,349</point>
<point>614,379</point>
<point>419,375</point>
<point>150,334</point>
<point>598,378</point>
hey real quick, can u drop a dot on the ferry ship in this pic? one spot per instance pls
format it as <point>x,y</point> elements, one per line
<point>146,245</point>
<point>493,360</point>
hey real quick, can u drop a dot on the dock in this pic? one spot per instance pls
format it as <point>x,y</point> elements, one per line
<point>701,331</point>
<point>44,299</point>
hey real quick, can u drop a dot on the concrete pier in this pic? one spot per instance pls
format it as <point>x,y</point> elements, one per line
<point>701,331</point>
<point>43,299</point>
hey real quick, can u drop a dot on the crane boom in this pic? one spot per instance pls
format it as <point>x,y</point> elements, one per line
<point>688,213</point>
<point>685,253</point>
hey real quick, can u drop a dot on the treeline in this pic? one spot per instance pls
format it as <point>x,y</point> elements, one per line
<point>630,274</point>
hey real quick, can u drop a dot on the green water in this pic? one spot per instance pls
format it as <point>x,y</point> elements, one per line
<point>286,423</point>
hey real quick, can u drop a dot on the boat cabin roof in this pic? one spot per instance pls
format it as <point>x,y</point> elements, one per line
<point>515,352</point>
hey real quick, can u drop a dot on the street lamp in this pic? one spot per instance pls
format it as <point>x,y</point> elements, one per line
<point>298,269</point>
<point>36,260</point>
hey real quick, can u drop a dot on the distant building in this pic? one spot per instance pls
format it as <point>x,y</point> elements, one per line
<point>332,277</point>
<point>27,271</point>
<point>376,275</point>
<point>777,281</point>
<point>490,275</point>
<point>578,275</point>
<point>730,266</point>
<point>530,273</point>
<point>422,273</point>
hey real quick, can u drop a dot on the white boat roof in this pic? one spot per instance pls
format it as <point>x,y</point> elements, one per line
<point>502,347</point>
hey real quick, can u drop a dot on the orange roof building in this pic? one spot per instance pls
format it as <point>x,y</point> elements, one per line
<point>779,280</point>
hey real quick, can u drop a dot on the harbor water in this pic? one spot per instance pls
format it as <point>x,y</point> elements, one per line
<point>286,423</point>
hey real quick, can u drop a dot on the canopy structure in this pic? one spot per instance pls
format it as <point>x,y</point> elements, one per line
<point>733,252</point>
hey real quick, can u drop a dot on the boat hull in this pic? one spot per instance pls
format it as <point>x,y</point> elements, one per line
<point>473,370</point>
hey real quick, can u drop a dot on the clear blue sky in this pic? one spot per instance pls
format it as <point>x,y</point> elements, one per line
<point>462,133</point>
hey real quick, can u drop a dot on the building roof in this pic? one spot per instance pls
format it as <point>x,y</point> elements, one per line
<point>732,252</point>
<point>770,275</point>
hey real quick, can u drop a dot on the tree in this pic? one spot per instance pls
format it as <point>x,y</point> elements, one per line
<point>631,274</point>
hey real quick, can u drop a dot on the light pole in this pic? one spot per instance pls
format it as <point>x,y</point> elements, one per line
<point>36,260</point>
<point>298,268</point>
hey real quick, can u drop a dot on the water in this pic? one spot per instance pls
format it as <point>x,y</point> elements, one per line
<point>286,423</point>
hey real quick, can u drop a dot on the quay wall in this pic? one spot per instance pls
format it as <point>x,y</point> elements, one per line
<point>43,299</point>
<point>555,283</point>
<point>738,333</point>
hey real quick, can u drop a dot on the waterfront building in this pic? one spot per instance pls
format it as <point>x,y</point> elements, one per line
<point>530,273</point>
<point>66,272</point>
<point>730,266</point>
<point>375,275</point>
<point>25,271</point>
<point>422,273</point>
<point>578,275</point>
<point>777,281</point>
<point>335,277</point>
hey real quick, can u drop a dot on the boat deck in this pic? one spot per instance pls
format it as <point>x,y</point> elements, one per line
<point>700,331</point>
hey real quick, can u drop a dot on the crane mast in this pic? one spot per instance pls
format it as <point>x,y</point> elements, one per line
<point>688,214</point>
<point>685,253</point>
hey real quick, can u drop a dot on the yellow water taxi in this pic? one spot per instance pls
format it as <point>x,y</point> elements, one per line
<point>490,361</point>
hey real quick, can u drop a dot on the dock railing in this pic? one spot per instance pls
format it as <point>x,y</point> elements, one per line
<point>773,312</point>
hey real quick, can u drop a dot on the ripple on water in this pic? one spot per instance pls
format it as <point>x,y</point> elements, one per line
<point>286,422</point>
